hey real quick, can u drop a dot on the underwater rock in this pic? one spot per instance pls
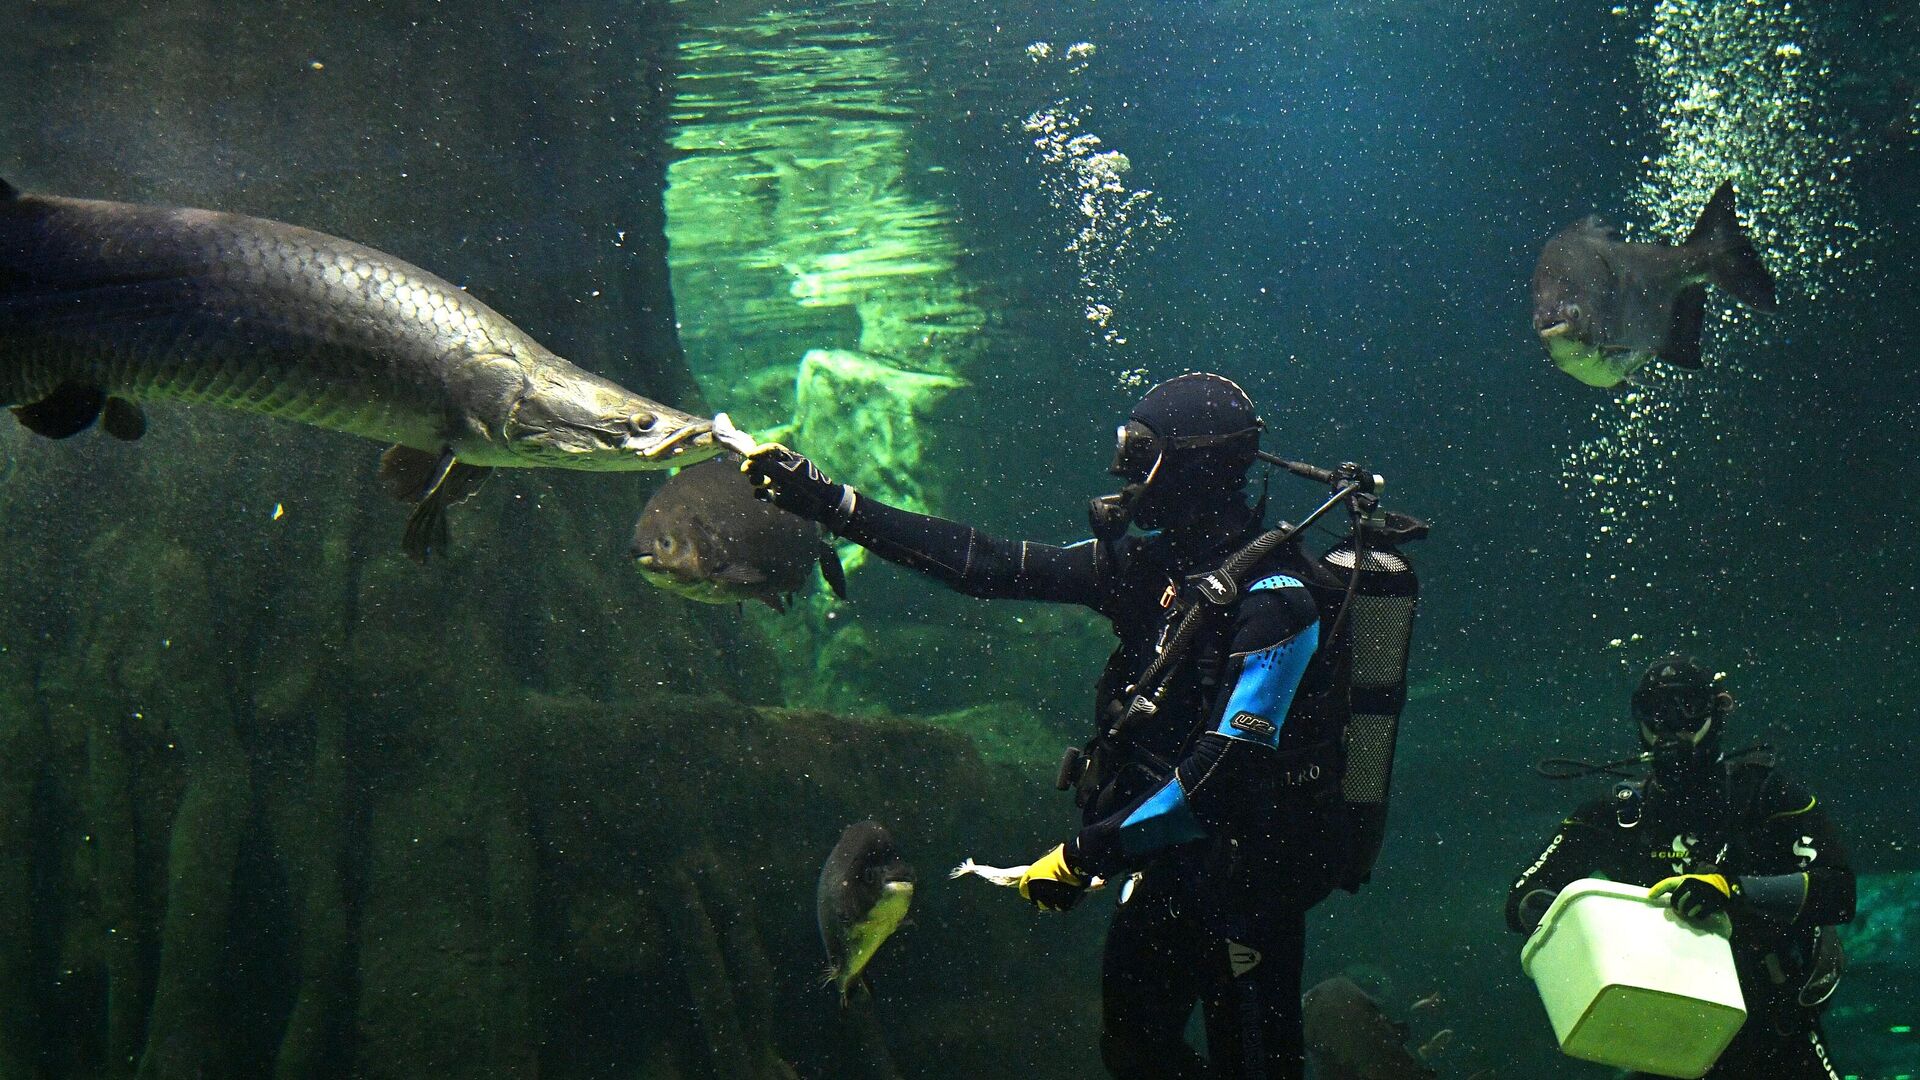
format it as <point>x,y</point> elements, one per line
<point>1007,733</point>
<point>1886,928</point>
<point>864,420</point>
<point>933,327</point>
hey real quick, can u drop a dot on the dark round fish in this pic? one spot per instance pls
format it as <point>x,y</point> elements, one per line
<point>864,891</point>
<point>1604,308</point>
<point>704,536</point>
<point>1349,1037</point>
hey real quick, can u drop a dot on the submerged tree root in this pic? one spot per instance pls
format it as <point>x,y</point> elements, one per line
<point>23,752</point>
<point>735,1047</point>
<point>202,852</point>
<point>114,830</point>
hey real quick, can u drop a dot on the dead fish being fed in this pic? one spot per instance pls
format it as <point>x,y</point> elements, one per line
<point>865,889</point>
<point>1349,1036</point>
<point>1604,308</point>
<point>105,305</point>
<point>704,536</point>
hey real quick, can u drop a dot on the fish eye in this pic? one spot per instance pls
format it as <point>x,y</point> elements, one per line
<point>666,544</point>
<point>643,421</point>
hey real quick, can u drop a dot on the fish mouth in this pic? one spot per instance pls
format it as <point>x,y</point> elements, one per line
<point>675,581</point>
<point>685,439</point>
<point>585,422</point>
<point>659,573</point>
<point>1556,330</point>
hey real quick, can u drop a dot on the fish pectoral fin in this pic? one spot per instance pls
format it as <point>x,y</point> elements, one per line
<point>123,420</point>
<point>831,570</point>
<point>445,482</point>
<point>740,574</point>
<point>1682,347</point>
<point>68,411</point>
<point>773,600</point>
<point>409,474</point>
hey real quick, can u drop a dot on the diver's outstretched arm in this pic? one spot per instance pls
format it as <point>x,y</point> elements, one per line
<point>970,561</point>
<point>959,556</point>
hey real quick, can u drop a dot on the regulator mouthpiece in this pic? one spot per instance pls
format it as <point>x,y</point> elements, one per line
<point>1109,516</point>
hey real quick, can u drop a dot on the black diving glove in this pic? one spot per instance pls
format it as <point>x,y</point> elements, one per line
<point>796,485</point>
<point>1698,897</point>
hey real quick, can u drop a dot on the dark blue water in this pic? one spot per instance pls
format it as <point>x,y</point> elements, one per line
<point>506,795</point>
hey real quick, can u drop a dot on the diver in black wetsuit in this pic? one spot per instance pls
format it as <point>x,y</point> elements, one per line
<point>1218,801</point>
<point>1719,833</point>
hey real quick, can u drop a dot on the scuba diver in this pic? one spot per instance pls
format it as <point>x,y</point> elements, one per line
<point>1211,790</point>
<point>1716,832</point>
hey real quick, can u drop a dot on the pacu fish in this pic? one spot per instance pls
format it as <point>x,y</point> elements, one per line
<point>864,891</point>
<point>1604,307</point>
<point>1349,1037</point>
<point>704,536</point>
<point>105,305</point>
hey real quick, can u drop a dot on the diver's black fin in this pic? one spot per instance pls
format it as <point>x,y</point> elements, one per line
<point>433,483</point>
<point>1732,262</point>
<point>8,191</point>
<point>832,571</point>
<point>1682,348</point>
<point>68,411</point>
<point>123,420</point>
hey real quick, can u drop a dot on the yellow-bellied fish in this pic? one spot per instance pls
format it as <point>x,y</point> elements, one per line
<point>1604,308</point>
<point>864,892</point>
<point>704,536</point>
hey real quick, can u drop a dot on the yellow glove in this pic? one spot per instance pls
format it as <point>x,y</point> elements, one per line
<point>1050,883</point>
<point>1698,896</point>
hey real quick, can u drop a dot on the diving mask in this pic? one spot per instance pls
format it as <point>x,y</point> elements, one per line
<point>1138,453</point>
<point>1137,457</point>
<point>1681,730</point>
<point>1142,457</point>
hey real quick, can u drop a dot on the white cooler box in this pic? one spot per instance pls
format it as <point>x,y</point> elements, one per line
<point>1627,983</point>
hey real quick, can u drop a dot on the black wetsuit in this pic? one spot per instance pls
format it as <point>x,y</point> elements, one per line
<point>1751,822</point>
<point>1222,802</point>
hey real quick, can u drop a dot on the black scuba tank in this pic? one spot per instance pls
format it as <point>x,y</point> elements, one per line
<point>1378,629</point>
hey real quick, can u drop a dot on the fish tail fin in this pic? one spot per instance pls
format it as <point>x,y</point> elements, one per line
<point>830,569</point>
<point>1732,262</point>
<point>1682,348</point>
